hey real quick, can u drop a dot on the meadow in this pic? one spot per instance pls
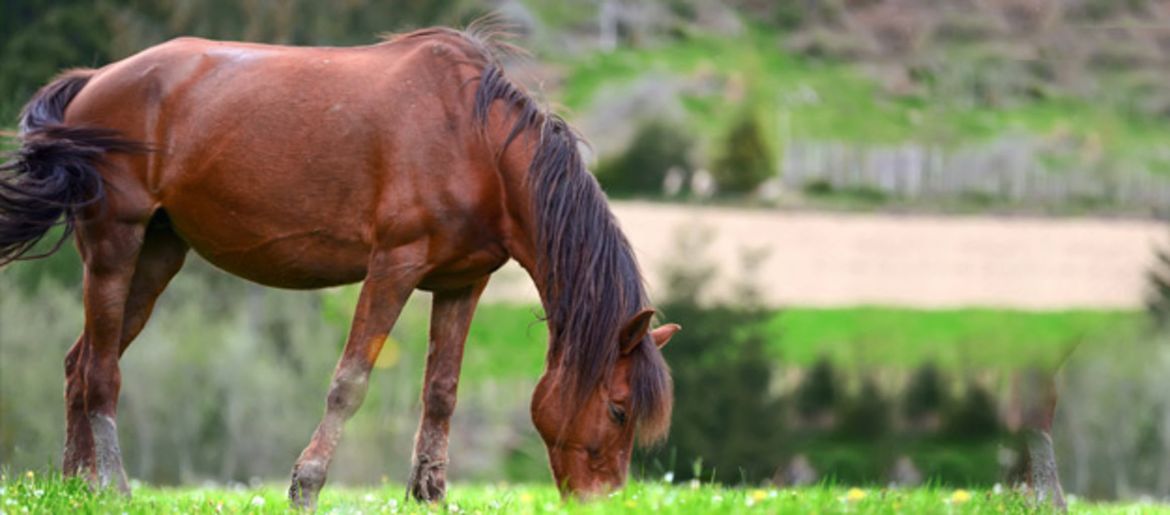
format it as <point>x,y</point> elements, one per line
<point>32,493</point>
<point>850,337</point>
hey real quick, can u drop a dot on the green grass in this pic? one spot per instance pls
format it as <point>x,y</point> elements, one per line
<point>28,493</point>
<point>848,105</point>
<point>951,338</point>
<point>507,340</point>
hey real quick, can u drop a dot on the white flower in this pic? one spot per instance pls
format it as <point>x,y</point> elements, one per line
<point>669,477</point>
<point>38,492</point>
<point>368,498</point>
<point>257,501</point>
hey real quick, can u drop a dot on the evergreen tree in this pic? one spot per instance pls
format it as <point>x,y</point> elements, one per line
<point>746,161</point>
<point>641,169</point>
<point>924,395</point>
<point>817,393</point>
<point>1158,299</point>
<point>725,416</point>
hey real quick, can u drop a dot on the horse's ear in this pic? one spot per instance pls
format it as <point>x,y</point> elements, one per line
<point>662,334</point>
<point>634,330</point>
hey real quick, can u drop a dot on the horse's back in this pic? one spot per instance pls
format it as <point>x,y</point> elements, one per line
<point>286,165</point>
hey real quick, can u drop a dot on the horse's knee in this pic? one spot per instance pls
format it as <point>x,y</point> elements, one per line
<point>439,401</point>
<point>346,393</point>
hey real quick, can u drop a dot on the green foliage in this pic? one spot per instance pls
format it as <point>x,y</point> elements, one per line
<point>745,160</point>
<point>658,146</point>
<point>1158,298</point>
<point>867,415</point>
<point>924,396</point>
<point>974,417</point>
<point>817,394</point>
<point>726,416</point>
<point>41,38</point>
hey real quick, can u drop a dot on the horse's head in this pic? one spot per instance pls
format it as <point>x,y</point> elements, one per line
<point>589,441</point>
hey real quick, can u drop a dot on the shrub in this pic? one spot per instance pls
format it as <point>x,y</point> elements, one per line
<point>867,415</point>
<point>817,394</point>
<point>641,168</point>
<point>975,417</point>
<point>1158,300</point>
<point>924,397</point>
<point>726,417</point>
<point>745,161</point>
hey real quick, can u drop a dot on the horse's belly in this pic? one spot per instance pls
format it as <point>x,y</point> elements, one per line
<point>278,255</point>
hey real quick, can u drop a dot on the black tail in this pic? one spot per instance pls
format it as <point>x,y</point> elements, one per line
<point>54,173</point>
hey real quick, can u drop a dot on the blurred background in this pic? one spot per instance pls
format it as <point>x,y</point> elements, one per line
<point>880,223</point>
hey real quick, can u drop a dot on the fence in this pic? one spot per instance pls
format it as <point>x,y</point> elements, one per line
<point>1017,170</point>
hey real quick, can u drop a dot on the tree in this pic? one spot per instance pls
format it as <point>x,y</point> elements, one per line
<point>746,161</point>
<point>642,168</point>
<point>726,417</point>
<point>1158,300</point>
<point>924,397</point>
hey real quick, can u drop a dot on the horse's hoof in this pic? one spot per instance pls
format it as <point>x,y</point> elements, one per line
<point>307,480</point>
<point>427,483</point>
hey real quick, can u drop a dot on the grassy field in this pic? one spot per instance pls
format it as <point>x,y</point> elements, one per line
<point>855,337</point>
<point>835,101</point>
<point>30,493</point>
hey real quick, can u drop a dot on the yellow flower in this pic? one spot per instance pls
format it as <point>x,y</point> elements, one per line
<point>854,495</point>
<point>960,496</point>
<point>525,497</point>
<point>759,495</point>
<point>30,474</point>
<point>630,503</point>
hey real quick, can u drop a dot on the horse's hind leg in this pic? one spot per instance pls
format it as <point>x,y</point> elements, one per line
<point>450,319</point>
<point>1039,406</point>
<point>390,279</point>
<point>107,250</point>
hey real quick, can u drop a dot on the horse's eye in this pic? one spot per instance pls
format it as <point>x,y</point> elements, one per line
<point>618,414</point>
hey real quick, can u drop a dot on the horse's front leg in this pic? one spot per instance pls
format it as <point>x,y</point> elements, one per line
<point>450,319</point>
<point>391,278</point>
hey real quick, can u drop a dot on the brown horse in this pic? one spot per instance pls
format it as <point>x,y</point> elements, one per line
<point>412,163</point>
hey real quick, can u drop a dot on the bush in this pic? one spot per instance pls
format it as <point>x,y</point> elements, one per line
<point>975,417</point>
<point>746,161</point>
<point>866,416</point>
<point>641,169</point>
<point>924,397</point>
<point>725,415</point>
<point>1158,300</point>
<point>817,394</point>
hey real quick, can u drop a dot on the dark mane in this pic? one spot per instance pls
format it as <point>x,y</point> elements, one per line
<point>592,283</point>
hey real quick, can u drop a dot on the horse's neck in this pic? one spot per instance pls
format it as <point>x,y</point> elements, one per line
<point>522,242</point>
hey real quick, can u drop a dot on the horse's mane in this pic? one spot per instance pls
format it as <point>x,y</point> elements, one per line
<point>591,281</point>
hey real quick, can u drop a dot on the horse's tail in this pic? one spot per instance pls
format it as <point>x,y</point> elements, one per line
<point>54,173</point>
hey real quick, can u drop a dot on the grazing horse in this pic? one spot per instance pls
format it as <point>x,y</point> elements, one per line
<point>411,163</point>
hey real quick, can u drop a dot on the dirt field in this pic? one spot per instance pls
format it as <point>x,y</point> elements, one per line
<point>833,259</point>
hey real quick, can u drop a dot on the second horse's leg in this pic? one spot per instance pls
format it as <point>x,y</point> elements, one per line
<point>389,283</point>
<point>450,319</point>
<point>1039,407</point>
